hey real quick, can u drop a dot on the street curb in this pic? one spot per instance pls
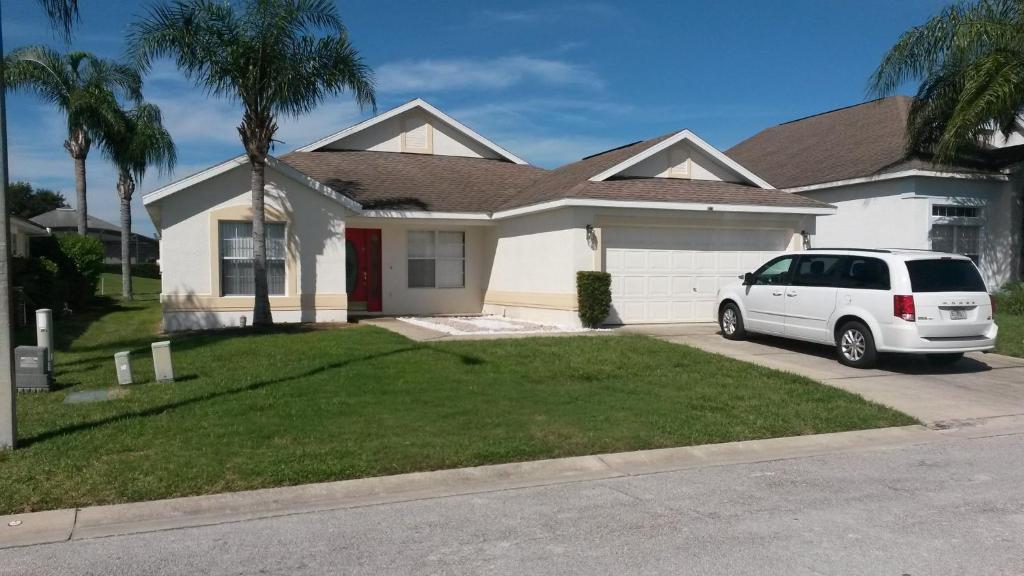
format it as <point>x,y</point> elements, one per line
<point>119,519</point>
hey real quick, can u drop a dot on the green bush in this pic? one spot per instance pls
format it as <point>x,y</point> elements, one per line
<point>1011,299</point>
<point>85,255</point>
<point>41,281</point>
<point>594,294</point>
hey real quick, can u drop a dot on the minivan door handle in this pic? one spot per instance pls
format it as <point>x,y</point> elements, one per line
<point>791,293</point>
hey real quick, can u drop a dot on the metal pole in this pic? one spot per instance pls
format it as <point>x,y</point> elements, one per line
<point>8,422</point>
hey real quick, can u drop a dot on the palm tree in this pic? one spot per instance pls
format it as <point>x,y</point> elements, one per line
<point>969,60</point>
<point>62,14</point>
<point>85,88</point>
<point>141,142</point>
<point>275,57</point>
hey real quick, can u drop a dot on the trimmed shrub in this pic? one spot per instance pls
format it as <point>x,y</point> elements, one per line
<point>594,295</point>
<point>1011,299</point>
<point>85,254</point>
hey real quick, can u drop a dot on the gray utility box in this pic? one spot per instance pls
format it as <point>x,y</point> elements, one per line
<point>30,369</point>
<point>162,361</point>
<point>123,363</point>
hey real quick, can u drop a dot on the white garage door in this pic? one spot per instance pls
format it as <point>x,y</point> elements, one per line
<point>673,274</point>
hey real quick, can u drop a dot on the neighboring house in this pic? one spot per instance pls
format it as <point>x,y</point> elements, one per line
<point>65,221</point>
<point>855,159</point>
<point>22,231</point>
<point>411,212</point>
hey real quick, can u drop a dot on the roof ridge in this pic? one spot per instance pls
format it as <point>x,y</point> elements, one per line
<point>897,97</point>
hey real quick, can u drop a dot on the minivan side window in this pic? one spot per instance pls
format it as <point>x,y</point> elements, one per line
<point>775,272</point>
<point>864,273</point>
<point>817,270</point>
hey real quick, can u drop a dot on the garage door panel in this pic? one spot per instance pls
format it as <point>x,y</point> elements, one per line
<point>673,274</point>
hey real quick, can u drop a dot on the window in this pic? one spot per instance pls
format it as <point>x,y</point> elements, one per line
<point>944,275</point>
<point>775,272</point>
<point>437,259</point>
<point>955,211</point>
<point>818,270</point>
<point>957,239</point>
<point>864,273</point>
<point>236,270</point>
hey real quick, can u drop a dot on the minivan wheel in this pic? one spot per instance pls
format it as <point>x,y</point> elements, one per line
<point>855,345</point>
<point>730,321</point>
<point>947,359</point>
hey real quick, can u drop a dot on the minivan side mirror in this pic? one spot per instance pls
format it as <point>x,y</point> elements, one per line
<point>748,279</point>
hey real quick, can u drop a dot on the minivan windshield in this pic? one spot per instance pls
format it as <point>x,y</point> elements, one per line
<point>944,275</point>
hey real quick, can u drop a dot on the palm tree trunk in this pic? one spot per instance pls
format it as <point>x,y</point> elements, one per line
<point>125,188</point>
<point>261,308</point>
<point>80,199</point>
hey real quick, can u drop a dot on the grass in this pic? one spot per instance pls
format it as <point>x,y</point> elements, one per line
<point>301,405</point>
<point>1011,334</point>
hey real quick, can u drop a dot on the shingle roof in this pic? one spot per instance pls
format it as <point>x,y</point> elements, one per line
<point>64,218</point>
<point>854,142</point>
<point>389,180</point>
<point>573,181</point>
<point>382,180</point>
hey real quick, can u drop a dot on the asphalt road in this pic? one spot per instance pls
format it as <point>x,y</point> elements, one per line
<point>952,508</point>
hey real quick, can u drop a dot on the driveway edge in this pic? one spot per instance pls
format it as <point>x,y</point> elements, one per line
<point>119,519</point>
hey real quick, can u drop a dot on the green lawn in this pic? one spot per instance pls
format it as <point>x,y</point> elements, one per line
<point>305,405</point>
<point>1011,335</point>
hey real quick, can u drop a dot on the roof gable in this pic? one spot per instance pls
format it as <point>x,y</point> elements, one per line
<point>679,141</point>
<point>414,127</point>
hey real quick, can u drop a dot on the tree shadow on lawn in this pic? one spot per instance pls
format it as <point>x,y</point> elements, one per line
<point>161,409</point>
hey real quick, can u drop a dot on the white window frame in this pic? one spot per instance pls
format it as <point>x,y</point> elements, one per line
<point>436,258</point>
<point>221,258</point>
<point>956,223</point>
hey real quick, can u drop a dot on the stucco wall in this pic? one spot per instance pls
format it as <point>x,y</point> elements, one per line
<point>398,298</point>
<point>315,271</point>
<point>898,214</point>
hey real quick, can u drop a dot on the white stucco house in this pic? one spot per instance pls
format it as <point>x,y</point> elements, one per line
<point>412,212</point>
<point>855,159</point>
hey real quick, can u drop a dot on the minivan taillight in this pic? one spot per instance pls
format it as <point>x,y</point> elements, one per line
<point>903,307</point>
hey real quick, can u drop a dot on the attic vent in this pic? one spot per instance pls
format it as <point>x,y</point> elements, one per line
<point>416,135</point>
<point>679,163</point>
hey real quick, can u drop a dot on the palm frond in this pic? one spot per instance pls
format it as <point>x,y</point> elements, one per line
<point>62,14</point>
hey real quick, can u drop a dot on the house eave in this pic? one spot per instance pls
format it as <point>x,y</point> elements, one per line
<point>995,177</point>
<point>651,205</point>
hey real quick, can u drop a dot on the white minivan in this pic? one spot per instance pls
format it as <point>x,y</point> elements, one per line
<point>865,302</point>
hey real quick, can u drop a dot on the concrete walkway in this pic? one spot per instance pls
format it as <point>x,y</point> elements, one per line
<point>979,386</point>
<point>104,521</point>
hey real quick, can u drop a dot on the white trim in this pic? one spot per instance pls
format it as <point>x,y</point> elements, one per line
<point>679,137</point>
<point>901,174</point>
<point>192,179</point>
<point>644,205</point>
<point>414,214</point>
<point>424,105</point>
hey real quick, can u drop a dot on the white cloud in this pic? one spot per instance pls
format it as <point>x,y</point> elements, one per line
<point>414,76</point>
<point>554,151</point>
<point>553,12</point>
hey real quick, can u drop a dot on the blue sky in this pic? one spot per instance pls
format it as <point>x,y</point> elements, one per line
<point>552,82</point>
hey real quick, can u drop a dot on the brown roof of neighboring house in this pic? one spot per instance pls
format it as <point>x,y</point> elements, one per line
<point>573,181</point>
<point>854,142</point>
<point>67,219</point>
<point>391,180</point>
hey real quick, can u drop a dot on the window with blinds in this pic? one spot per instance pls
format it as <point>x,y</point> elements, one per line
<point>437,259</point>
<point>236,258</point>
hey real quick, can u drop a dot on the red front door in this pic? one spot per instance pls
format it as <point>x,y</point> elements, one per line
<point>362,269</point>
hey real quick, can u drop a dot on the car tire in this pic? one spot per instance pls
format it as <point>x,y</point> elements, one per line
<point>855,345</point>
<point>945,359</point>
<point>730,322</point>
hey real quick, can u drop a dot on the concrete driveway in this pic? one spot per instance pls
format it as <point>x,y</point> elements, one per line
<point>979,386</point>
